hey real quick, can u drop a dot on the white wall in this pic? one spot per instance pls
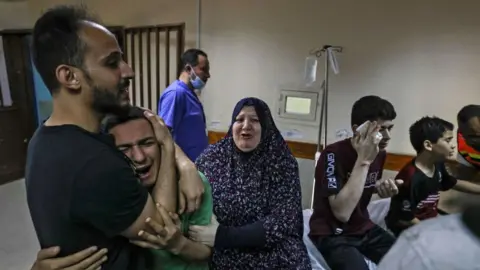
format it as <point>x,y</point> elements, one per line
<point>14,15</point>
<point>421,55</point>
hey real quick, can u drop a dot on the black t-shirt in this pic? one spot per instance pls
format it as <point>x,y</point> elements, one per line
<point>331,174</point>
<point>418,196</point>
<point>83,192</point>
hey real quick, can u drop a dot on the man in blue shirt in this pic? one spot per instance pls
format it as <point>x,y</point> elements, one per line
<point>180,107</point>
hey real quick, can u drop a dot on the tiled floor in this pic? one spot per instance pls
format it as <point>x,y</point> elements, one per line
<point>18,242</point>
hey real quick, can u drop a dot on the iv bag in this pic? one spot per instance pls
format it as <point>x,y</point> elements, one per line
<point>310,70</point>
<point>333,60</point>
<point>342,134</point>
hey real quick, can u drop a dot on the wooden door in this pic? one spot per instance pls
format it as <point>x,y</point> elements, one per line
<point>17,121</point>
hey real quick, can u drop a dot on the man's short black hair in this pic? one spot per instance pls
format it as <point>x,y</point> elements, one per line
<point>428,128</point>
<point>468,112</point>
<point>56,41</point>
<point>190,57</point>
<point>372,108</point>
<point>115,120</point>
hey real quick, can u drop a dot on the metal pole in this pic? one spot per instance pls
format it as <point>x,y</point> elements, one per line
<point>325,95</point>
<point>320,128</point>
<point>199,22</point>
<point>324,109</point>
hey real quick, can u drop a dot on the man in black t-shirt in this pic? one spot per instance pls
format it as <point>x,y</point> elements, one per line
<point>81,190</point>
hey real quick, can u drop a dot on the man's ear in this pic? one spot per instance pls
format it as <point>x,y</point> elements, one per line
<point>67,77</point>
<point>428,145</point>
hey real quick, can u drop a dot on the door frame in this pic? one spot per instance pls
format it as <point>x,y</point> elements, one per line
<point>25,99</point>
<point>29,93</point>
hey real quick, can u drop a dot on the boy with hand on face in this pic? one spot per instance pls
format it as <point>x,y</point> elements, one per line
<point>347,174</point>
<point>425,175</point>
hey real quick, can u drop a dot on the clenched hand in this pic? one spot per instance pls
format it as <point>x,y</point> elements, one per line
<point>387,188</point>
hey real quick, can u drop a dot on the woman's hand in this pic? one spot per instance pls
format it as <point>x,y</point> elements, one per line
<point>204,234</point>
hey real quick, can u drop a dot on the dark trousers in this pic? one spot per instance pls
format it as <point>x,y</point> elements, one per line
<point>396,229</point>
<point>348,252</point>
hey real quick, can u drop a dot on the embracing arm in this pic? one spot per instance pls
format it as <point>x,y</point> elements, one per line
<point>169,183</point>
<point>461,171</point>
<point>190,184</point>
<point>165,189</point>
<point>467,187</point>
<point>172,158</point>
<point>89,258</point>
<point>181,158</point>
<point>149,211</point>
<point>449,181</point>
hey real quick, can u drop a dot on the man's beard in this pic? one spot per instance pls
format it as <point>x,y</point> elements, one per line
<point>105,102</point>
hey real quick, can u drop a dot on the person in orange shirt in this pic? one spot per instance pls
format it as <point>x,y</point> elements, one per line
<point>468,140</point>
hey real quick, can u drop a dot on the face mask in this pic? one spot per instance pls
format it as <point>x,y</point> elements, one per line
<point>469,152</point>
<point>196,82</point>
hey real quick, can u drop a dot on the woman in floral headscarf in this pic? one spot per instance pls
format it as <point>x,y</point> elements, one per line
<point>256,194</point>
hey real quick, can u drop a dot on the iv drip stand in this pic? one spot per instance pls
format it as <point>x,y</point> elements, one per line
<point>324,110</point>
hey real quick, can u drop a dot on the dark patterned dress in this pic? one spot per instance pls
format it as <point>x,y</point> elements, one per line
<point>260,187</point>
